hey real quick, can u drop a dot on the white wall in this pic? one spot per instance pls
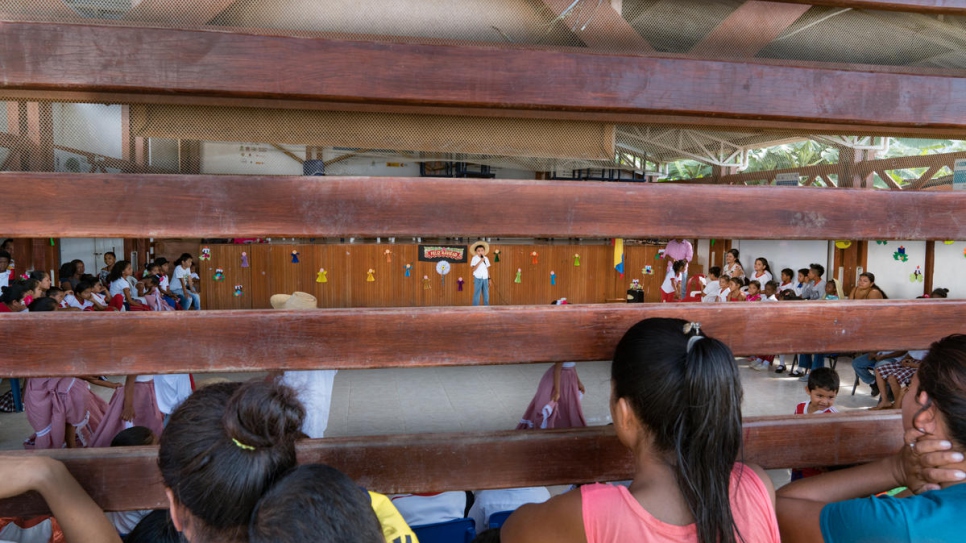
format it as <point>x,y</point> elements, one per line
<point>793,254</point>
<point>892,275</point>
<point>90,127</point>
<point>247,158</point>
<point>950,269</point>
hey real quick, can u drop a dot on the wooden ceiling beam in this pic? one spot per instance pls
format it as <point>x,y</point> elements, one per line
<point>748,29</point>
<point>87,58</point>
<point>252,340</point>
<point>218,206</point>
<point>601,28</point>
<point>932,7</point>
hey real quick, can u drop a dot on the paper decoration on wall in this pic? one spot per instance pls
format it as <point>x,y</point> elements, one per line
<point>239,290</point>
<point>244,260</point>
<point>843,244</point>
<point>459,284</point>
<point>426,285</point>
<point>442,268</point>
<point>205,253</point>
<point>369,276</point>
<point>409,270</point>
<point>295,257</point>
<point>577,259</point>
<point>660,254</point>
<point>388,255</point>
<point>880,242</point>
<point>949,242</point>
<point>518,277</point>
<point>648,270</point>
<point>496,255</point>
<point>901,255</point>
<point>322,276</point>
<point>916,276</point>
<point>553,278</point>
<point>533,256</point>
<point>219,274</point>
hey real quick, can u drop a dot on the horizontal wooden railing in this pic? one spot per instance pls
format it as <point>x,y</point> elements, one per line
<point>128,478</point>
<point>242,206</point>
<point>239,341</point>
<point>226,64</point>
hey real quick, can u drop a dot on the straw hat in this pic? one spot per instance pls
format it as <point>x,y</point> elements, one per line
<point>481,243</point>
<point>296,300</point>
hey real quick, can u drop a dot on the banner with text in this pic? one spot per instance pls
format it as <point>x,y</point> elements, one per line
<point>436,253</point>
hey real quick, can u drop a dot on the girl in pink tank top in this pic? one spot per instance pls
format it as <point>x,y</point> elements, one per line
<point>676,404</point>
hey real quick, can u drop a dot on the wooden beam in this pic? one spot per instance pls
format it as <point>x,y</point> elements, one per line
<point>127,478</point>
<point>935,7</point>
<point>748,29</point>
<point>88,58</point>
<point>40,133</point>
<point>255,206</point>
<point>915,161</point>
<point>888,180</point>
<point>600,26</point>
<point>929,267</point>
<point>173,11</point>
<point>924,178</point>
<point>246,340</point>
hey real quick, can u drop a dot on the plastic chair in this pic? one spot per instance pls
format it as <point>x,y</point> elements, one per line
<point>461,530</point>
<point>497,519</point>
<point>694,284</point>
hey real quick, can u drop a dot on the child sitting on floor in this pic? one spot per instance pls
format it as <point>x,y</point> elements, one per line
<point>787,283</point>
<point>754,292</point>
<point>822,388</point>
<point>734,293</point>
<point>831,290</point>
<point>802,281</point>
<point>770,292</point>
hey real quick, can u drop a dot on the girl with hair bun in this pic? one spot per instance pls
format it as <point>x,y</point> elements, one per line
<point>676,404</point>
<point>223,448</point>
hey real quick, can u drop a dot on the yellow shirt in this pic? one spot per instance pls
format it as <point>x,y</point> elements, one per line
<point>393,526</point>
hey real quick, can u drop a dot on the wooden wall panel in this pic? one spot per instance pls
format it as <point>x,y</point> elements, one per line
<point>386,206</point>
<point>272,272</point>
<point>242,341</point>
<point>128,478</point>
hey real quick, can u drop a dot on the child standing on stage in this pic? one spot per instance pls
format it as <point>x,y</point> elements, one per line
<point>481,273</point>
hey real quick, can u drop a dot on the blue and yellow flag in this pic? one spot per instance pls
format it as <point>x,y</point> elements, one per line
<point>619,255</point>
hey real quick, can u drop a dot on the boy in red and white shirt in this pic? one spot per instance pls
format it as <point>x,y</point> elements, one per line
<point>822,388</point>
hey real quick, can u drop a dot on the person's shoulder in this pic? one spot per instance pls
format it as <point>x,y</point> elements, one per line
<point>558,519</point>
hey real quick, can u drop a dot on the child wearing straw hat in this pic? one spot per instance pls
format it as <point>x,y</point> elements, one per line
<point>314,387</point>
<point>481,273</point>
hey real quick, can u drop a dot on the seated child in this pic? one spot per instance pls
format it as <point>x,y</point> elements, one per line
<point>802,281</point>
<point>152,294</point>
<point>57,294</point>
<point>135,436</point>
<point>787,283</point>
<point>896,375</point>
<point>831,290</point>
<point>713,285</point>
<point>316,502</point>
<point>754,292</point>
<point>822,388</point>
<point>734,290</point>
<point>724,288</point>
<point>770,293</point>
<point>80,298</point>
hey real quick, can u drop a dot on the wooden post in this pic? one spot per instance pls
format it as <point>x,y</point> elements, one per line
<point>40,132</point>
<point>929,267</point>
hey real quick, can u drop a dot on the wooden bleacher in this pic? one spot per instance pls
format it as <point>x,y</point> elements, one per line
<point>228,68</point>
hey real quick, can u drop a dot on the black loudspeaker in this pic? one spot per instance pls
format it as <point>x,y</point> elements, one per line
<point>635,296</point>
<point>313,167</point>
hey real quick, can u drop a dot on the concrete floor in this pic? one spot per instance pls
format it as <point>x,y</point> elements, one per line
<point>466,399</point>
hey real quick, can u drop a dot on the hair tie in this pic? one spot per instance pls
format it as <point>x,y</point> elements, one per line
<point>241,445</point>
<point>692,327</point>
<point>692,340</point>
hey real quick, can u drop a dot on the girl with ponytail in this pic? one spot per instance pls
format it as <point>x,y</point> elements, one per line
<point>676,404</point>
